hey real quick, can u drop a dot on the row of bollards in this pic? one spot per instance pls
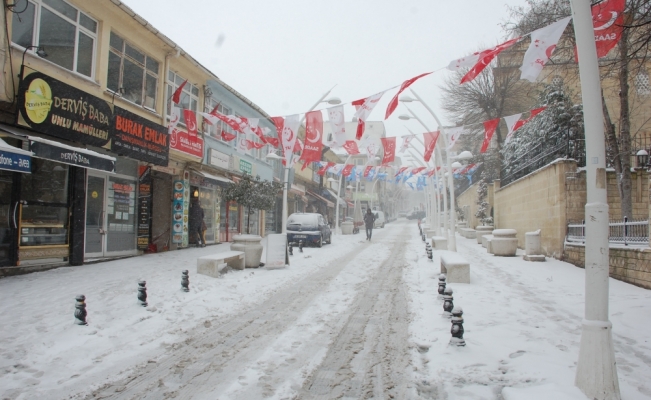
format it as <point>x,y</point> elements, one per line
<point>291,247</point>
<point>451,311</point>
<point>80,300</point>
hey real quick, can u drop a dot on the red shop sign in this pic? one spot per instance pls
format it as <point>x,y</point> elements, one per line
<point>181,141</point>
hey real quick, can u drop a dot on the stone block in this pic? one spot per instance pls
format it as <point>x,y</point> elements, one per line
<point>504,242</point>
<point>439,243</point>
<point>455,267</point>
<point>482,230</point>
<point>467,233</point>
<point>213,265</point>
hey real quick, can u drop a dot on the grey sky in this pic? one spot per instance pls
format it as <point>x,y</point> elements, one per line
<point>283,55</point>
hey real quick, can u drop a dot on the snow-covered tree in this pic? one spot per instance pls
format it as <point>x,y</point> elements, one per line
<point>253,194</point>
<point>482,203</point>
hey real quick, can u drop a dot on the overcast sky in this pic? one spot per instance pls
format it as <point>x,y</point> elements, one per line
<point>284,55</point>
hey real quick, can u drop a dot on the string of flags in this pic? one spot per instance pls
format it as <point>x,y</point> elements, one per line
<point>607,18</point>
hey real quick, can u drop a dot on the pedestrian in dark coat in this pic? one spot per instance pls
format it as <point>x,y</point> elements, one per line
<point>196,222</point>
<point>369,221</point>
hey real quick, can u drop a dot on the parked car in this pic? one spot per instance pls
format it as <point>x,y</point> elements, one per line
<point>379,219</point>
<point>402,214</point>
<point>308,227</point>
<point>416,214</point>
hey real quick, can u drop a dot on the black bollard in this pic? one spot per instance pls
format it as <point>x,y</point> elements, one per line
<point>423,237</point>
<point>457,327</point>
<point>291,249</point>
<point>300,246</point>
<point>185,281</point>
<point>430,254</point>
<point>441,285</point>
<point>142,293</point>
<point>448,304</point>
<point>80,310</point>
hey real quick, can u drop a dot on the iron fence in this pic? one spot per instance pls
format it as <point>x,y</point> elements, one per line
<point>626,232</point>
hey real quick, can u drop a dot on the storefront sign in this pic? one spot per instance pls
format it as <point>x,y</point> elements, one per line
<point>219,159</point>
<point>71,157</point>
<point>15,162</point>
<point>139,138</point>
<point>276,250</point>
<point>181,141</point>
<point>246,167</point>
<point>52,107</point>
<point>144,207</point>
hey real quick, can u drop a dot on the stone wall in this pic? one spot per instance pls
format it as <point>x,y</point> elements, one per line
<point>469,199</point>
<point>632,265</point>
<point>536,201</point>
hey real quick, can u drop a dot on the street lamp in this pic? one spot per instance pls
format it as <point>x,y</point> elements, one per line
<point>596,371</point>
<point>274,156</point>
<point>642,158</point>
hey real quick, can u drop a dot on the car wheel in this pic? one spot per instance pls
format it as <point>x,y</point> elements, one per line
<point>329,239</point>
<point>319,244</point>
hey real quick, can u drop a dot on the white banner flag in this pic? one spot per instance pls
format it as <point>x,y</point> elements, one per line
<point>338,126</point>
<point>288,138</point>
<point>453,135</point>
<point>543,43</point>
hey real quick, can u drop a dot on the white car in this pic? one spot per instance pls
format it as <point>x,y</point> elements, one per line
<point>379,219</point>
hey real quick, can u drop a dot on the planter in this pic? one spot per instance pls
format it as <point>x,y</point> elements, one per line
<point>347,228</point>
<point>250,245</point>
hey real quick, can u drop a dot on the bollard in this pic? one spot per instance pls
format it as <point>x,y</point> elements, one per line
<point>80,310</point>
<point>441,285</point>
<point>430,254</point>
<point>142,293</point>
<point>300,246</point>
<point>185,281</point>
<point>448,304</point>
<point>291,249</point>
<point>423,237</point>
<point>457,327</point>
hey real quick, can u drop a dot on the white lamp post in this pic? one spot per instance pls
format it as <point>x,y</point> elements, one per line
<point>596,372</point>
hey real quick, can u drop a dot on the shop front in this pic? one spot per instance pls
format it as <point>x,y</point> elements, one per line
<point>207,187</point>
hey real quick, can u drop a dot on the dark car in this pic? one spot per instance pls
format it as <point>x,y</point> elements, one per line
<point>308,227</point>
<point>416,214</point>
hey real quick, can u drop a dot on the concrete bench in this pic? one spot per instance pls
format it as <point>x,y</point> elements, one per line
<point>482,230</point>
<point>455,267</point>
<point>504,242</point>
<point>468,233</point>
<point>214,264</point>
<point>439,243</point>
<point>486,242</point>
<point>430,233</point>
<point>533,250</point>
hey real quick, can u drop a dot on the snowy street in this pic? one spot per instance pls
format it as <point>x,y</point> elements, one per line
<point>350,320</point>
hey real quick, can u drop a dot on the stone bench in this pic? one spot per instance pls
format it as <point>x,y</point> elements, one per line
<point>468,233</point>
<point>430,233</point>
<point>533,250</point>
<point>504,242</point>
<point>455,267</point>
<point>439,243</point>
<point>214,264</point>
<point>482,230</point>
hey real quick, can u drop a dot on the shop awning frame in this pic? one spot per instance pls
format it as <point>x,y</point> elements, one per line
<point>340,201</point>
<point>219,179</point>
<point>326,201</point>
<point>15,159</point>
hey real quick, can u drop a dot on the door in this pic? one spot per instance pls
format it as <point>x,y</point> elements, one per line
<point>8,220</point>
<point>110,216</point>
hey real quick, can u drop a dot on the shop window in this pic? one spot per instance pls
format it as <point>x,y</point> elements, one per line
<point>189,96</point>
<point>68,35</point>
<point>132,71</point>
<point>642,83</point>
<point>48,183</point>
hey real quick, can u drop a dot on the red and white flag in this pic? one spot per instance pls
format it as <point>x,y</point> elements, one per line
<point>368,170</point>
<point>453,135</point>
<point>191,122</point>
<point>513,122</point>
<point>175,117</point>
<point>313,143</point>
<point>433,171</point>
<point>227,137</point>
<point>211,119</point>
<point>405,143</point>
<point>401,170</point>
<point>543,43</point>
<point>348,168</point>
<point>479,60</point>
<point>323,167</point>
<point>364,108</point>
<point>288,136</point>
<point>608,20</point>
<point>394,101</point>
<point>389,145</point>
<point>253,145</point>
<point>336,169</point>
<point>351,147</point>
<point>298,146</point>
<point>430,144</point>
<point>338,126</point>
<point>489,131</point>
<point>273,141</point>
<point>417,170</point>
<point>176,97</point>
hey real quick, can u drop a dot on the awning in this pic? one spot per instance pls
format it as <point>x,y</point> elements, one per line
<point>341,201</point>
<point>323,199</point>
<point>15,159</point>
<point>218,179</point>
<point>59,152</point>
<point>351,205</point>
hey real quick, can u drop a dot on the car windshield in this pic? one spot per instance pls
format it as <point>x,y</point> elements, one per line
<point>301,219</point>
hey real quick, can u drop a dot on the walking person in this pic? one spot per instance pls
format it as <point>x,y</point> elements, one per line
<point>196,222</point>
<point>369,220</point>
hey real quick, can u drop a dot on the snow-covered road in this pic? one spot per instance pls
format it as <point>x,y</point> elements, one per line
<point>350,320</point>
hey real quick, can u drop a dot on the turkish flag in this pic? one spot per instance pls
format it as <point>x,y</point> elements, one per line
<point>252,145</point>
<point>364,108</point>
<point>513,122</point>
<point>401,170</point>
<point>191,122</point>
<point>347,169</point>
<point>176,97</point>
<point>272,141</point>
<point>228,136</point>
<point>324,167</point>
<point>313,135</point>
<point>367,170</point>
<point>489,130</point>
<point>417,170</point>
<point>430,144</point>
<point>389,145</point>
<point>394,101</point>
<point>351,147</point>
<point>479,60</point>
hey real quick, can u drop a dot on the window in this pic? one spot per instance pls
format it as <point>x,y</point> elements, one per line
<point>216,130</point>
<point>642,83</point>
<point>67,34</point>
<point>133,71</point>
<point>189,95</point>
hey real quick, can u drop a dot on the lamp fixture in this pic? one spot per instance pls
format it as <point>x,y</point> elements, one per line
<point>642,158</point>
<point>195,194</point>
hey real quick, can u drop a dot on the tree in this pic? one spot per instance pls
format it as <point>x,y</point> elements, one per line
<point>482,204</point>
<point>253,194</point>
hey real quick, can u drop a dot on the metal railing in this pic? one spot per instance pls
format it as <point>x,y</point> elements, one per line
<point>626,232</point>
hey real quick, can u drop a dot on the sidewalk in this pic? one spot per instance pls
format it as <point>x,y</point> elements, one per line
<point>522,320</point>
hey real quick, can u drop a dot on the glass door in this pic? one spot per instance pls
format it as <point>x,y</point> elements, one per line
<point>95,216</point>
<point>7,220</point>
